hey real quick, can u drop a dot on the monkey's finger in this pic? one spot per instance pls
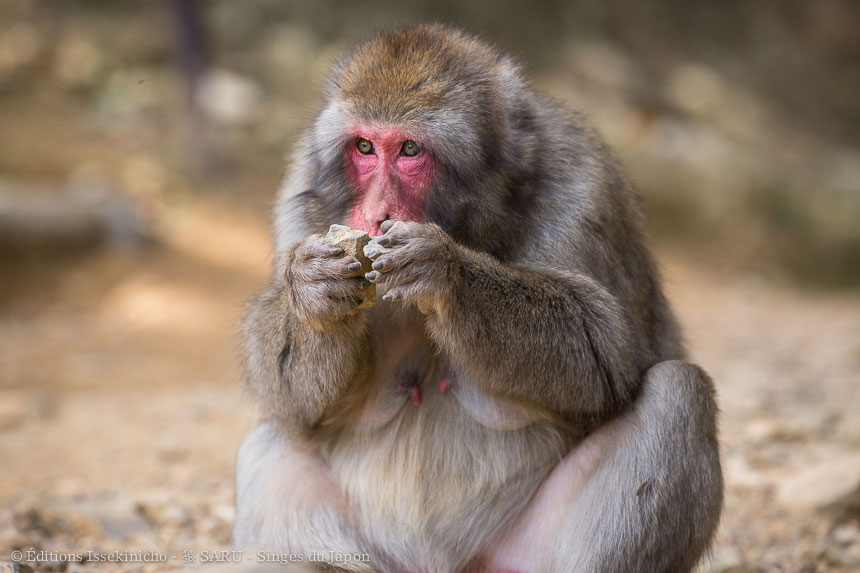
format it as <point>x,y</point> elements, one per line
<point>422,244</point>
<point>322,269</point>
<point>348,267</point>
<point>423,276</point>
<point>393,295</point>
<point>317,250</point>
<point>323,297</point>
<point>347,300</point>
<point>310,272</point>
<point>336,308</point>
<point>383,264</point>
<point>377,276</point>
<point>393,236</point>
<point>351,267</point>
<point>415,292</point>
<point>423,248</point>
<point>342,288</point>
<point>373,276</point>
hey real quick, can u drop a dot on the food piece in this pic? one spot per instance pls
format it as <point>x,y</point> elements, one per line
<point>353,243</point>
<point>373,249</point>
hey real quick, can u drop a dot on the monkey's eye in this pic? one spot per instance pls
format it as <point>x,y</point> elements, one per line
<point>364,146</point>
<point>410,148</point>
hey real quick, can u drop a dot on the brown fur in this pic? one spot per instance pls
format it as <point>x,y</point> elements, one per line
<point>547,313</point>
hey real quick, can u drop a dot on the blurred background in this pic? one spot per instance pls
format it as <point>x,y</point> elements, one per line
<point>141,144</point>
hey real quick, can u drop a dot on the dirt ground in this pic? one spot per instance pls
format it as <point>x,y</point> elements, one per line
<point>121,403</point>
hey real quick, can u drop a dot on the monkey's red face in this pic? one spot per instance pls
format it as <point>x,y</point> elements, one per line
<point>390,174</point>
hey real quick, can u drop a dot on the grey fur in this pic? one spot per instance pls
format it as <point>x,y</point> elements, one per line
<point>546,311</point>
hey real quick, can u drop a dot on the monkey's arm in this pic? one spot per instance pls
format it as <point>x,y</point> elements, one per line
<point>299,366</point>
<point>556,340</point>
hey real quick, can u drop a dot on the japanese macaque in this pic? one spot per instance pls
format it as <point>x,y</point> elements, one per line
<point>517,398</point>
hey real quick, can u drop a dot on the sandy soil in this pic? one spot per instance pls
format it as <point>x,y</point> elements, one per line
<point>121,405</point>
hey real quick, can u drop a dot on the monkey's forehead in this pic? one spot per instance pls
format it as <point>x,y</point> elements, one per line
<point>398,73</point>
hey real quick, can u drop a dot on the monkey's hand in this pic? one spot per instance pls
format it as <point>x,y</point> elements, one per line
<point>416,264</point>
<point>324,283</point>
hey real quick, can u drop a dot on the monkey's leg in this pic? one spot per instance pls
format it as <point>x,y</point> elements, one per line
<point>642,493</point>
<point>286,501</point>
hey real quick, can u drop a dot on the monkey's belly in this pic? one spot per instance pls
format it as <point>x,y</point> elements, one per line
<point>416,481</point>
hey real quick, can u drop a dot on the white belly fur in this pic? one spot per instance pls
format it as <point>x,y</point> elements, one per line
<point>457,458</point>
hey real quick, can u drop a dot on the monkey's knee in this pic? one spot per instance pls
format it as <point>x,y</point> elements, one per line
<point>288,500</point>
<point>679,414</point>
<point>255,461</point>
<point>681,395</point>
<point>275,484</point>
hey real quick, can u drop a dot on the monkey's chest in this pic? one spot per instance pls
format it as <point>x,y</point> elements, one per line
<point>433,467</point>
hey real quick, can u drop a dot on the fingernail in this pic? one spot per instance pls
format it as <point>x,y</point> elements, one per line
<point>354,266</point>
<point>335,251</point>
<point>383,240</point>
<point>387,296</point>
<point>371,276</point>
<point>378,265</point>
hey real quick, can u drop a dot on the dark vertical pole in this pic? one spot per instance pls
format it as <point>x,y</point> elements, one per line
<point>189,39</point>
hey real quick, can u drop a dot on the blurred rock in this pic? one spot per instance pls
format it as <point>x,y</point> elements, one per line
<point>82,519</point>
<point>725,559</point>
<point>78,60</point>
<point>15,568</point>
<point>832,484</point>
<point>788,428</point>
<point>19,45</point>
<point>848,427</point>
<point>17,407</point>
<point>164,514</point>
<point>144,177</point>
<point>13,410</point>
<point>847,534</point>
<point>224,512</point>
<point>39,218</point>
<point>11,539</point>
<point>738,472</point>
<point>229,98</point>
<point>602,64</point>
<point>844,546</point>
<point>695,88</point>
